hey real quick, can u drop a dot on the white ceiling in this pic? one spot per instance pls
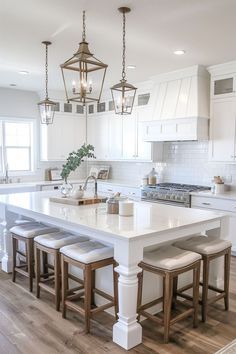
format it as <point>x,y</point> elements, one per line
<point>155,28</point>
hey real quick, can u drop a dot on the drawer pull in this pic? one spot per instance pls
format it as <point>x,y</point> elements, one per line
<point>110,190</point>
<point>206,203</point>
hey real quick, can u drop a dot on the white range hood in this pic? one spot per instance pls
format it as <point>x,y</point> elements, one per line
<point>180,103</point>
<point>178,129</point>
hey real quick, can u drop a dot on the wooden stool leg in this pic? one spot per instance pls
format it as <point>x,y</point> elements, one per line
<point>92,287</point>
<point>57,274</point>
<point>206,267</point>
<point>87,297</point>
<point>140,293</point>
<point>37,270</point>
<point>175,289</point>
<point>64,285</point>
<point>227,259</point>
<point>168,292</point>
<point>115,287</point>
<point>45,262</point>
<point>30,261</point>
<point>14,245</point>
<point>196,280</point>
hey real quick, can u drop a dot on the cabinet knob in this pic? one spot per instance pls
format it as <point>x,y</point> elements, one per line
<point>206,203</point>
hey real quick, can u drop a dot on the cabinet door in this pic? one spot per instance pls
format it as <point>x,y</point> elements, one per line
<point>144,149</point>
<point>97,135</point>
<point>223,86</point>
<point>67,133</point>
<point>115,145</point>
<point>222,130</point>
<point>129,136</point>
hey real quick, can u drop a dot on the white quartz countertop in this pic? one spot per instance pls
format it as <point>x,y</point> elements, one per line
<point>148,219</point>
<point>230,195</point>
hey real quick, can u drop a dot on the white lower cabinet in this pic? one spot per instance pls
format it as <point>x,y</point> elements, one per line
<point>67,133</point>
<point>111,188</point>
<point>219,204</point>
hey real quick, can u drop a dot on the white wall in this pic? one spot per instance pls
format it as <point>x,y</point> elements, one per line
<point>18,103</point>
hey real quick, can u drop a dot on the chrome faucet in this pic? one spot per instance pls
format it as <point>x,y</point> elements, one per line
<point>6,178</point>
<point>95,183</point>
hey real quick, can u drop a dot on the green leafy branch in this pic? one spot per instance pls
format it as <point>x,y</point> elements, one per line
<point>75,158</point>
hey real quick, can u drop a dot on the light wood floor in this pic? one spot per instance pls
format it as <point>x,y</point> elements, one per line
<point>29,325</point>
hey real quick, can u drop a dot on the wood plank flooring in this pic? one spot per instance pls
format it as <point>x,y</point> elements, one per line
<point>29,325</point>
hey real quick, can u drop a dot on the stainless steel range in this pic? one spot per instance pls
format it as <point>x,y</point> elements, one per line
<point>170,193</point>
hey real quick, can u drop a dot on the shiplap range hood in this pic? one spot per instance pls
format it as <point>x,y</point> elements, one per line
<point>180,106</point>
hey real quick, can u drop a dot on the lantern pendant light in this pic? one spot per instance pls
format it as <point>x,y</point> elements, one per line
<point>46,107</point>
<point>123,93</point>
<point>83,74</point>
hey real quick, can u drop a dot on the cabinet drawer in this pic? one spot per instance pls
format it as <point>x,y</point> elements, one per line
<point>213,203</point>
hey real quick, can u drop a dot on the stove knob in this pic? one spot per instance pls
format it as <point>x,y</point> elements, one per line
<point>173,196</point>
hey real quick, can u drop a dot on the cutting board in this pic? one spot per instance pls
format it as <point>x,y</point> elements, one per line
<point>82,201</point>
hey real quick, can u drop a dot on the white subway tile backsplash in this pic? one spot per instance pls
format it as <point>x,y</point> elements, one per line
<point>184,162</point>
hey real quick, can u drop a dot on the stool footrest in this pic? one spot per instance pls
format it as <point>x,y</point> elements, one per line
<point>213,288</point>
<point>181,316</point>
<point>21,253</point>
<point>151,304</point>
<point>101,293</point>
<point>21,271</point>
<point>47,288</point>
<point>185,288</point>
<point>73,290</point>
<point>50,278</point>
<point>76,296</point>
<point>71,305</point>
<point>73,277</point>
<point>101,308</point>
<point>156,319</point>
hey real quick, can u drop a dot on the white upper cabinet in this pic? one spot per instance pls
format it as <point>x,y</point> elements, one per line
<point>67,133</point>
<point>223,80</point>
<point>223,113</point>
<point>129,135</point>
<point>181,94</point>
<point>222,131</point>
<point>97,135</point>
<point>115,136</point>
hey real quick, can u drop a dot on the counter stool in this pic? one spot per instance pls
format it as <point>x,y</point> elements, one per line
<point>50,244</point>
<point>169,262</point>
<point>209,248</point>
<point>87,256</point>
<point>26,233</point>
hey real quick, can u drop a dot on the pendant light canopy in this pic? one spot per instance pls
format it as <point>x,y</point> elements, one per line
<point>46,107</point>
<point>123,93</point>
<point>83,74</point>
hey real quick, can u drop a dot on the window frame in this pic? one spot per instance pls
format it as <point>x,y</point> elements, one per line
<point>3,147</point>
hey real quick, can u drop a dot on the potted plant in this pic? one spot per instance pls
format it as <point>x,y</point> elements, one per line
<point>73,161</point>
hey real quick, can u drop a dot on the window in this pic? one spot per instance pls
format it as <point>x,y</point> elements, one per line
<point>16,146</point>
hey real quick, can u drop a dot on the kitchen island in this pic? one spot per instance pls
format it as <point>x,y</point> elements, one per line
<point>152,225</point>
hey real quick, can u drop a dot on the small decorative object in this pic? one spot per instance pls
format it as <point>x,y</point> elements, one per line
<point>123,93</point>
<point>66,189</point>
<point>219,185</point>
<point>100,172</point>
<point>83,74</point>
<point>113,203</point>
<point>47,107</point>
<point>73,161</point>
<point>77,193</point>
<point>152,177</point>
<point>126,208</point>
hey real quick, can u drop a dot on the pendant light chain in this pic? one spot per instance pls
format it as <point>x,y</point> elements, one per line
<point>84,28</point>
<point>46,73</point>
<point>124,48</point>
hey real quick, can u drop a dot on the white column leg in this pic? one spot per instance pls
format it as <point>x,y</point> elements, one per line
<point>127,332</point>
<point>8,222</point>
<point>217,265</point>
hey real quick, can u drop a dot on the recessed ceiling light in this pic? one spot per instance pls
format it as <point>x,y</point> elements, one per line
<point>13,85</point>
<point>179,52</point>
<point>131,66</point>
<point>23,72</point>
